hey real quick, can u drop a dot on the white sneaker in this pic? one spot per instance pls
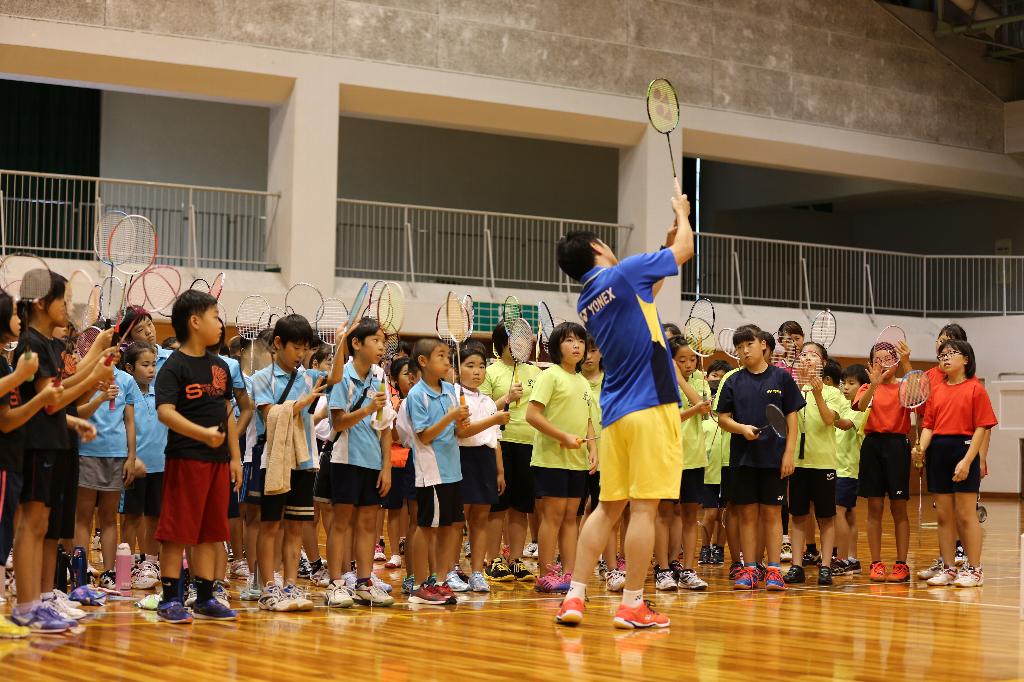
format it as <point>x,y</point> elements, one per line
<point>394,562</point>
<point>380,584</point>
<point>970,576</point>
<point>378,553</point>
<point>369,594</point>
<point>321,577</point>
<point>935,569</point>
<point>615,580</point>
<point>62,605</point>
<point>145,576</point>
<point>190,595</point>
<point>691,581</point>
<point>296,599</point>
<point>338,596</point>
<point>251,591</point>
<point>350,580</point>
<point>272,598</point>
<point>663,580</point>
<point>455,582</point>
<point>530,550</point>
<point>946,577</point>
<point>787,549</point>
<point>239,569</point>
<point>220,593</point>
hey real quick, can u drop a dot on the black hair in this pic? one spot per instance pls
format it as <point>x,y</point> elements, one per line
<point>719,366</point>
<point>790,327</point>
<point>858,372</point>
<point>819,348</point>
<point>671,327</point>
<point>832,371</point>
<point>424,348</point>
<point>169,342</point>
<point>58,284</point>
<point>965,349</point>
<point>575,253</point>
<point>294,329</point>
<point>367,326</point>
<point>189,303</point>
<point>7,311</point>
<point>132,353</point>
<point>267,338</point>
<point>320,354</point>
<point>675,343</point>
<point>405,348</point>
<point>953,331</point>
<point>745,334</point>
<point>560,333</point>
<point>471,348</point>
<point>396,369</point>
<point>499,339</point>
<point>592,345</point>
<point>133,315</point>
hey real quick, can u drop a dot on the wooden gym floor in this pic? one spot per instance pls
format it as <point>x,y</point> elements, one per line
<point>855,630</point>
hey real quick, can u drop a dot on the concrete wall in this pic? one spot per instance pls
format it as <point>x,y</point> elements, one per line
<point>839,63</point>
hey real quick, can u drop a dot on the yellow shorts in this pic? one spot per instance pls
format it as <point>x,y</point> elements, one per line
<point>641,456</point>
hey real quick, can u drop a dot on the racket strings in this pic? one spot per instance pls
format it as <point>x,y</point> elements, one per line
<point>520,340</point>
<point>726,344</point>
<point>452,320</point>
<point>302,298</point>
<point>915,389</point>
<point>250,315</point>
<point>132,244</point>
<point>333,314</point>
<point>699,336</point>
<point>511,310</point>
<point>823,329</point>
<point>662,106</point>
<point>390,308</point>
<point>703,309</point>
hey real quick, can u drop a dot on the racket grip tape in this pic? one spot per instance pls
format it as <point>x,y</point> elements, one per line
<point>109,361</point>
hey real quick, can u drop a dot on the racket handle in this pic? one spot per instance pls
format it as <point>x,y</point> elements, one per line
<point>380,412</point>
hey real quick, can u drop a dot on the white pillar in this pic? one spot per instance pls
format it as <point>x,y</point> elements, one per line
<point>303,166</point>
<point>645,193</point>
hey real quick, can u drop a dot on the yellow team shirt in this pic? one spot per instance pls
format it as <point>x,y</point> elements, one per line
<point>848,442</point>
<point>497,381</point>
<point>713,470</point>
<point>694,453</point>
<point>819,439</point>
<point>568,405</point>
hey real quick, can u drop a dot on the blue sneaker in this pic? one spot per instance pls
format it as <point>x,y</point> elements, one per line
<point>409,584</point>
<point>746,579</point>
<point>213,609</point>
<point>773,579</point>
<point>478,583</point>
<point>43,620</point>
<point>455,582</point>
<point>174,612</point>
<point>87,596</point>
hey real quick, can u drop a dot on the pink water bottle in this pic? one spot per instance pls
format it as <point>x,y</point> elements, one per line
<point>123,569</point>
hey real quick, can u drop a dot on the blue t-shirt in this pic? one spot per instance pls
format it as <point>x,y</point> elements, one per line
<point>237,382</point>
<point>161,357</point>
<point>267,386</point>
<point>746,396</point>
<point>617,307</point>
<point>111,439</point>
<point>439,461</point>
<point>150,434</point>
<point>360,444</point>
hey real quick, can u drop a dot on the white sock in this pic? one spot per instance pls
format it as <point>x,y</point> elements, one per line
<point>46,596</point>
<point>633,598</point>
<point>577,590</point>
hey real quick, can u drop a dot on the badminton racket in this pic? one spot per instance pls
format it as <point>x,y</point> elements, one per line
<point>453,326</point>
<point>663,112</point>
<point>199,284</point>
<point>823,329</point>
<point>25,277</point>
<point>302,298</point>
<point>161,284</point>
<point>700,337</point>
<point>546,325</point>
<point>785,350</point>
<point>132,247</point>
<point>703,309</point>
<point>332,315</point>
<point>511,310</point>
<point>807,369</point>
<point>84,297</point>
<point>520,346</point>
<point>249,318</point>
<point>725,342</point>
<point>887,345</point>
<point>776,420</point>
<point>467,303</point>
<point>111,293</point>
<point>915,389</point>
<point>101,237</point>
<point>355,310</point>
<point>217,286</point>
<point>392,343</point>
<point>85,341</point>
<point>390,308</point>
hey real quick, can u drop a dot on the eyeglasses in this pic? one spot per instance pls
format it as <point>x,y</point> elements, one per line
<point>948,355</point>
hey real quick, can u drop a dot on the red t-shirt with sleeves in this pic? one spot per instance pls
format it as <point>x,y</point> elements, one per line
<point>959,409</point>
<point>887,414</point>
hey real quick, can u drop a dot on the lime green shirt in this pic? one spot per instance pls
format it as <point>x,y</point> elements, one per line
<point>721,384</point>
<point>819,438</point>
<point>595,394</point>
<point>695,455</point>
<point>497,381</point>
<point>568,405</point>
<point>713,470</point>
<point>848,442</point>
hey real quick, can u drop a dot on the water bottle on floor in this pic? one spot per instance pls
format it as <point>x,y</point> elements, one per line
<point>123,569</point>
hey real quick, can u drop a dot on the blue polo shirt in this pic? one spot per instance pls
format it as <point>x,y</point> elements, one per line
<point>111,439</point>
<point>436,462</point>
<point>360,444</point>
<point>617,307</point>
<point>267,386</point>
<point>161,357</point>
<point>150,434</point>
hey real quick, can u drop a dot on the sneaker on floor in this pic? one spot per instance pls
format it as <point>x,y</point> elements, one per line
<point>838,566</point>
<point>704,558</point>
<point>350,580</point>
<point>787,549</point>
<point>773,581</point>
<point>455,582</point>
<point>935,569</point>
<point>446,591</point>
<point>824,575</point>
<point>60,603</point>
<point>394,562</point>
<point>190,595</point>
<point>521,573</point>
<point>272,599</point>
<point>947,576</point>
<point>428,594</point>
<point>378,552</point>
<point>151,602</point>
<point>961,555</point>
<point>380,584</point>
<point>338,596</point>
<point>297,598</point>
<point>498,571</point>
<point>734,569</point>
<point>900,573</point>
<point>478,583</point>
<point>570,612</point>
<point>408,584</point>
<point>214,609</point>
<point>321,577</point>
<point>663,579</point>
<point>677,570</point>
<point>368,594</point>
<point>795,575</point>
<point>812,558</point>
<point>305,568</point>
<point>642,616</point>
<point>220,593</point>
<point>145,576</point>
<point>717,555</point>
<point>852,567</point>
<point>459,572</point>
<point>531,550</point>
<point>551,582</point>
<point>746,579</point>
<point>173,612</point>
<point>601,570</point>
<point>879,573</point>
<point>691,581</point>
<point>615,580</point>
<point>11,630</point>
<point>86,595</point>
<point>467,549</point>
<point>108,580</point>
<point>251,591</point>
<point>620,564</point>
<point>970,576</point>
<point>239,569</point>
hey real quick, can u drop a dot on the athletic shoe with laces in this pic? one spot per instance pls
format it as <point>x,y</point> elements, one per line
<point>456,583</point>
<point>11,630</point>
<point>620,564</point>
<point>900,573</point>
<point>272,599</point>
<point>60,603</point>
<point>446,591</point>
<point>190,595</point>
<point>677,570</point>
<point>239,569</point>
<point>350,580</point>
<point>601,570</point>
<point>378,552</point>
<point>961,555</point>
<point>173,612</point>
<point>145,575</point>
<point>852,567</point>
<point>521,573</point>
<point>214,609</point>
<point>531,550</point>
<point>108,580</point>
<point>305,568</point>
<point>151,602</point>
<point>368,594</point>
<point>812,558</point>
<point>746,579</point>
<point>773,581</point>
<point>734,569</point>
<point>937,567</point>
<point>824,575</point>
<point>394,562</point>
<point>570,612</point>
<point>787,549</point>
<point>878,572</point>
<point>550,582</point>
<point>717,555</point>
<point>220,593</point>
<point>970,576</point>
<point>642,616</point>
<point>427,594</point>
<point>408,584</point>
<point>321,577</point>
<point>795,575</point>
<point>299,597</point>
<point>338,596</point>
<point>380,584</point>
<point>86,595</point>
<point>704,558</point>
<point>838,566</point>
<point>498,571</point>
<point>478,583</point>
<point>459,572</point>
<point>251,591</point>
<point>947,576</point>
<point>615,580</point>
<point>691,581</point>
<point>663,579</point>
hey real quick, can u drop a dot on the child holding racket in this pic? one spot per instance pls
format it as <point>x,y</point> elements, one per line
<point>561,409</point>
<point>849,439</point>
<point>483,475</point>
<point>956,417</point>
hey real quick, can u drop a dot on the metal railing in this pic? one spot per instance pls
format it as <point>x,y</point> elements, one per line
<point>54,216</point>
<point>453,246</point>
<point>756,271</point>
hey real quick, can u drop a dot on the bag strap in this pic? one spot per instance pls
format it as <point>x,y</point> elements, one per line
<point>288,388</point>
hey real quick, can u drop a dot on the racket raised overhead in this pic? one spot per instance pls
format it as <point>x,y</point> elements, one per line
<point>333,314</point>
<point>302,298</point>
<point>357,309</point>
<point>663,111</point>
<point>390,307</point>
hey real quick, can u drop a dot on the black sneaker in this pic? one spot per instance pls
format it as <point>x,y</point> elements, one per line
<point>838,566</point>
<point>795,575</point>
<point>704,558</point>
<point>824,575</point>
<point>852,567</point>
<point>812,558</point>
<point>717,555</point>
<point>677,570</point>
<point>305,569</point>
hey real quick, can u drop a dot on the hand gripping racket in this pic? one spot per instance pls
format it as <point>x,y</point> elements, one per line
<point>776,420</point>
<point>886,348</point>
<point>914,391</point>
<point>808,367</point>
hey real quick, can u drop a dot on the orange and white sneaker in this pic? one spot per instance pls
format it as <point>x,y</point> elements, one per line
<point>900,573</point>
<point>571,612</point>
<point>879,574</point>
<point>643,616</point>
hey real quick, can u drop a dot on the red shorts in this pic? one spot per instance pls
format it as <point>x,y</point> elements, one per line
<point>195,509</point>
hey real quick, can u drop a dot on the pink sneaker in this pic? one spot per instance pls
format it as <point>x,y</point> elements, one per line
<point>551,582</point>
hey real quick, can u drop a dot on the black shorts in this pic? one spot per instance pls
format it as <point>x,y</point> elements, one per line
<point>944,453</point>
<point>10,490</point>
<point>355,485</point>
<point>846,492</point>
<point>567,483</point>
<point>322,485</point>
<point>751,485</point>
<point>592,494</point>
<point>51,477</point>
<point>145,496</point>
<point>439,505</point>
<point>252,483</point>
<point>403,486</point>
<point>885,466</point>
<point>519,485</point>
<point>725,491</point>
<point>294,505</point>
<point>711,497</point>
<point>691,487</point>
<point>233,511</point>
<point>813,485</point>
<point>479,475</point>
